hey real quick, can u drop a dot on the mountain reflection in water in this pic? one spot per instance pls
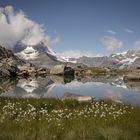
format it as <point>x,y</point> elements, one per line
<point>99,87</point>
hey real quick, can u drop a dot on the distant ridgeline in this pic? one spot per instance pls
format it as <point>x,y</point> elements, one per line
<point>126,60</point>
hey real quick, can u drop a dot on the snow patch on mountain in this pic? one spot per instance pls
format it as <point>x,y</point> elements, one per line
<point>127,62</point>
<point>123,53</point>
<point>28,54</point>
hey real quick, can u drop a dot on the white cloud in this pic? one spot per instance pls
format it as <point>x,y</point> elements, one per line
<point>76,54</point>
<point>129,31</point>
<point>137,44</point>
<point>111,32</point>
<point>55,40</point>
<point>111,43</point>
<point>16,26</point>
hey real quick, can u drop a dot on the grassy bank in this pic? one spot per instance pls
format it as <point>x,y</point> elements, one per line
<point>47,119</point>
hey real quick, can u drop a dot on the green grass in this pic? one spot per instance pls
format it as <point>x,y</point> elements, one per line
<point>48,119</point>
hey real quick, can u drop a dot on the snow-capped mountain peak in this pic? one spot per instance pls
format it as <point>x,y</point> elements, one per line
<point>39,54</point>
<point>30,52</point>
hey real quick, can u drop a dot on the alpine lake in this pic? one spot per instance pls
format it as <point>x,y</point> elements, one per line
<point>36,109</point>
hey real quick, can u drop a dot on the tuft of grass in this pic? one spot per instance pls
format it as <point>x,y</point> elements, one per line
<point>41,119</point>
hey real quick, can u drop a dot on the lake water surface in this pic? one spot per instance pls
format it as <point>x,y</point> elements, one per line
<point>98,87</point>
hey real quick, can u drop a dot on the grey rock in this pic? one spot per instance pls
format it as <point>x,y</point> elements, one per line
<point>61,70</point>
<point>80,98</point>
<point>57,70</point>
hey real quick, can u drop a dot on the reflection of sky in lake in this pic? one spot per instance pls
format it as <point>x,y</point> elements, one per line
<point>99,91</point>
<point>56,87</point>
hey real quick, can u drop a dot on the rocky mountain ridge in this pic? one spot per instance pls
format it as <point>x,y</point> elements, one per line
<point>126,60</point>
<point>43,56</point>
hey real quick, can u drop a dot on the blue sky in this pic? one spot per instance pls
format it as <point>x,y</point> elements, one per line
<point>86,25</point>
